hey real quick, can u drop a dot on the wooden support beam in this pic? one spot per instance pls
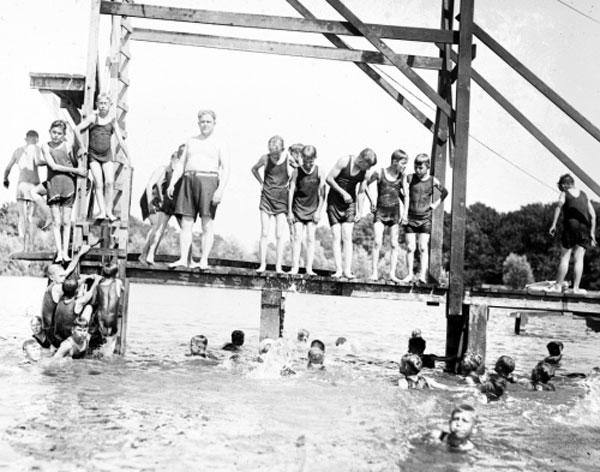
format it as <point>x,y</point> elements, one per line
<point>376,77</point>
<point>281,23</point>
<point>55,82</point>
<point>459,174</point>
<point>535,132</point>
<point>439,150</point>
<point>534,80</point>
<point>271,313</point>
<point>477,330</point>
<point>396,60</point>
<point>274,47</point>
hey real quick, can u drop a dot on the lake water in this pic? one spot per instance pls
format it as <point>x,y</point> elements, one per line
<point>156,409</point>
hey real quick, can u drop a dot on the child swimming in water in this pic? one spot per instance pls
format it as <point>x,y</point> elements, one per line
<point>470,367</point>
<point>237,341</point>
<point>198,345</point>
<point>410,368</point>
<point>541,375</point>
<point>76,345</point>
<point>316,358</point>
<point>32,350</point>
<point>555,349</point>
<point>495,384</point>
<point>460,428</point>
<point>303,335</point>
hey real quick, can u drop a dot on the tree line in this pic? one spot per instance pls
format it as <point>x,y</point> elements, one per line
<point>491,237</point>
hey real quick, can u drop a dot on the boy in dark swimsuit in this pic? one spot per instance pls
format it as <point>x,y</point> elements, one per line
<point>273,199</point>
<point>579,230</point>
<point>495,384</point>
<point>390,209</point>
<point>348,181</point>
<point>305,203</point>
<point>420,210</point>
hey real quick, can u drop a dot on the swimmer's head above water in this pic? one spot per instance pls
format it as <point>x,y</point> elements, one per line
<point>32,350</point>
<point>303,335</point>
<point>318,344</point>
<point>316,357</point>
<point>470,363</point>
<point>341,341</point>
<point>198,345</point>
<point>410,364</point>
<point>505,365</point>
<point>555,349</point>
<point>461,425</point>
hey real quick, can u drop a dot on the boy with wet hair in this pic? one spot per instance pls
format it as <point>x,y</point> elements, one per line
<point>555,349</point>
<point>541,375</point>
<point>38,333</point>
<point>316,358</point>
<point>318,344</point>
<point>460,428</point>
<point>237,341</point>
<point>76,345</point>
<point>470,367</point>
<point>32,350</point>
<point>198,346</point>
<point>420,212</point>
<point>410,368</point>
<point>495,385</point>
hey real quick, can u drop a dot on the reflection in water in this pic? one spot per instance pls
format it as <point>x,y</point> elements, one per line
<point>157,409</point>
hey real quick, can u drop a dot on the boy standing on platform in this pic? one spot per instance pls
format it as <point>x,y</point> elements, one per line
<point>306,199</point>
<point>392,191</point>
<point>348,181</point>
<point>420,210</point>
<point>579,230</point>
<point>273,198</point>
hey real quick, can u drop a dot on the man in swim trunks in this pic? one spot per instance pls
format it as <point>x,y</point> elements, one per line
<point>204,170</point>
<point>27,159</point>
<point>348,181</point>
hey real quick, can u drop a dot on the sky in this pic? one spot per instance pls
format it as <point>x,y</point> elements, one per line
<point>331,105</point>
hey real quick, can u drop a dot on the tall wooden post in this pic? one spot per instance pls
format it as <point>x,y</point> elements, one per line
<point>439,148</point>
<point>272,304</point>
<point>454,314</point>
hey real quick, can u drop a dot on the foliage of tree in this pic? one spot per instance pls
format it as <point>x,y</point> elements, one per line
<point>516,271</point>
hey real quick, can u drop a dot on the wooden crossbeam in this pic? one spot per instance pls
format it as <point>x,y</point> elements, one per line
<point>534,80</point>
<point>535,132</point>
<point>459,173</point>
<point>396,60</point>
<point>377,78</point>
<point>281,23</point>
<point>273,47</point>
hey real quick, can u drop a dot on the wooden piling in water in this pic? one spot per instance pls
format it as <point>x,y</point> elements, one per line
<point>272,309</point>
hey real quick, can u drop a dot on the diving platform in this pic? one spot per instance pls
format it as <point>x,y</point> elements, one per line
<point>234,274</point>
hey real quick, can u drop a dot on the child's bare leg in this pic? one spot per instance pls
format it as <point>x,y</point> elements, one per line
<point>163,221</point>
<point>56,227</point>
<point>149,237</point>
<point>281,226</point>
<point>394,254</point>
<point>185,242</point>
<point>336,233</point>
<point>578,267</point>
<point>108,170</point>
<point>38,193</point>
<point>411,245</point>
<point>424,253</point>
<point>563,266</point>
<point>30,226</point>
<point>377,241</point>
<point>98,187</point>
<point>21,224</point>
<point>311,229</point>
<point>296,246</point>
<point>347,248</point>
<point>265,223</point>
<point>208,237</point>
<point>67,212</point>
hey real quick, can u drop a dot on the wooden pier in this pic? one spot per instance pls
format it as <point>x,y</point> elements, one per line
<point>466,309</point>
